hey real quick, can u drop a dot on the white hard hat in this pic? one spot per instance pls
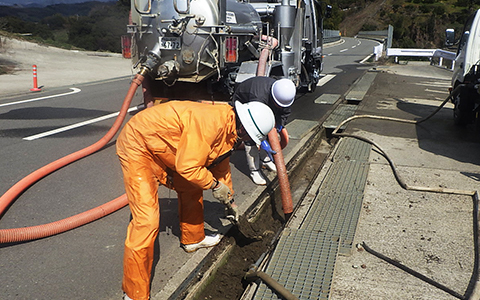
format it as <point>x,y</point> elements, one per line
<point>257,119</point>
<point>283,92</point>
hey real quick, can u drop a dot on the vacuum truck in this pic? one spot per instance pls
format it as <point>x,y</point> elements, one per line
<point>466,73</point>
<point>201,49</point>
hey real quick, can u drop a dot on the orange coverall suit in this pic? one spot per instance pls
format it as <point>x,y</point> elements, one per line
<point>179,139</point>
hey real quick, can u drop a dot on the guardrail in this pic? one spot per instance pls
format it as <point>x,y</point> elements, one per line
<point>383,36</point>
<point>379,36</point>
<point>330,36</point>
<point>437,56</point>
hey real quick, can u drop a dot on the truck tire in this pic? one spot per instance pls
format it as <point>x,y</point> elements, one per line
<point>463,111</point>
<point>310,70</point>
<point>307,82</point>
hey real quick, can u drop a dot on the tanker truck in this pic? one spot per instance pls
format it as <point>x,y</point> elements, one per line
<point>202,49</point>
<point>466,73</point>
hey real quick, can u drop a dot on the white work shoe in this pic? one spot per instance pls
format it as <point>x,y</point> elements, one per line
<point>125,297</point>
<point>257,178</point>
<point>208,241</point>
<point>270,165</point>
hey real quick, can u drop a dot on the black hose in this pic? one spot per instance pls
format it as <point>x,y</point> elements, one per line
<point>412,272</point>
<point>401,182</point>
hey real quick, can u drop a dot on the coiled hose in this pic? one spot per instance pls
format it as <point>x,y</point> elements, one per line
<point>41,231</point>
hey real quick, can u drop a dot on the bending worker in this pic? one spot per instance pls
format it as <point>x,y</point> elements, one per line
<point>279,96</point>
<point>184,146</point>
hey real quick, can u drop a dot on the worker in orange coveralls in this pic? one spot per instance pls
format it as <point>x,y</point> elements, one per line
<point>185,146</point>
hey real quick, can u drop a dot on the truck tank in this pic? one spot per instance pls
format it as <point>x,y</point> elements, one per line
<point>201,49</point>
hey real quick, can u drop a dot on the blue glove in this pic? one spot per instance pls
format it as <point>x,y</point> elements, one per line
<point>266,146</point>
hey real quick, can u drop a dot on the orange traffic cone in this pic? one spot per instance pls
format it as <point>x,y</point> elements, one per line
<point>35,83</point>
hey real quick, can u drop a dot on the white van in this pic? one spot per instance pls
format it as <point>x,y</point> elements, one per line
<point>466,73</point>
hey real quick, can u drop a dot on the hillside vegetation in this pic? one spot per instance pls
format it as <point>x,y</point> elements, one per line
<point>417,23</point>
<point>97,26</point>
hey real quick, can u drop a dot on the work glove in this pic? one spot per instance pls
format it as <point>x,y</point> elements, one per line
<point>221,192</point>
<point>266,146</point>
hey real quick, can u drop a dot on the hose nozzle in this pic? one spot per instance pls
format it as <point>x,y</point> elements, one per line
<point>153,59</point>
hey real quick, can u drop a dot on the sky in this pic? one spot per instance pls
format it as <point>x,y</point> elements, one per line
<point>42,2</point>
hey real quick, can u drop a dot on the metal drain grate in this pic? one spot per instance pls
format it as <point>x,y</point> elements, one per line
<point>297,129</point>
<point>346,177</point>
<point>340,114</point>
<point>351,149</point>
<point>327,99</point>
<point>361,87</point>
<point>304,258</point>
<point>303,262</point>
<point>336,214</point>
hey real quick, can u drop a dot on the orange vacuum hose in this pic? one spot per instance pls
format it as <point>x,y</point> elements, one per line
<point>287,202</point>
<point>40,231</point>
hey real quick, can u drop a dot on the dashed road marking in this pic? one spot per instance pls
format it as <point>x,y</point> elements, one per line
<point>73,126</point>
<point>74,91</point>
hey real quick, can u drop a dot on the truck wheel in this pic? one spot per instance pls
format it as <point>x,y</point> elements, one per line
<point>307,80</point>
<point>463,109</point>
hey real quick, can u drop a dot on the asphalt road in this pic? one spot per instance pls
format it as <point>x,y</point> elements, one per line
<point>86,263</point>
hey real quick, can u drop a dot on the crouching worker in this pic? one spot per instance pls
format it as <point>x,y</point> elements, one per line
<point>279,95</point>
<point>184,146</point>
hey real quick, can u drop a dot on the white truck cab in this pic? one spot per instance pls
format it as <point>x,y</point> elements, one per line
<point>466,73</point>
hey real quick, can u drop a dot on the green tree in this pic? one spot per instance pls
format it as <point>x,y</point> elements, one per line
<point>14,24</point>
<point>42,31</point>
<point>80,33</point>
<point>100,30</point>
<point>55,22</point>
<point>124,3</point>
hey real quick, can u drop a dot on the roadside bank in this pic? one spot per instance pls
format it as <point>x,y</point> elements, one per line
<point>74,66</point>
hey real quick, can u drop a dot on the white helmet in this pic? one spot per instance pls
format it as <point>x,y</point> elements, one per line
<point>283,92</point>
<point>257,119</point>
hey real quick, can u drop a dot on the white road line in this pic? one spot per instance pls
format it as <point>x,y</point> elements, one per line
<point>446,84</point>
<point>73,126</point>
<point>325,79</point>
<point>74,91</point>
<point>437,91</point>
<point>343,50</point>
<point>366,58</point>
